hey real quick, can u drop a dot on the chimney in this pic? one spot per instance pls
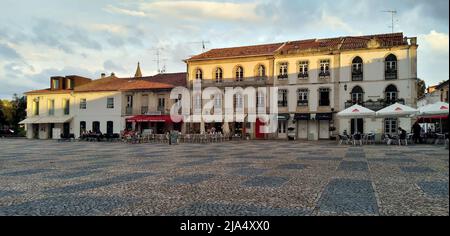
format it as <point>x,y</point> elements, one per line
<point>102,75</point>
<point>112,74</point>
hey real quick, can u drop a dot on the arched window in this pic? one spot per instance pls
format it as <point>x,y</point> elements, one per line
<point>391,93</point>
<point>357,95</point>
<point>261,71</point>
<point>199,74</point>
<point>219,75</point>
<point>239,73</point>
<point>390,67</point>
<point>357,69</point>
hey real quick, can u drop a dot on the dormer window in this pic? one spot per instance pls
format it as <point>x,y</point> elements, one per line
<point>70,83</point>
<point>55,83</point>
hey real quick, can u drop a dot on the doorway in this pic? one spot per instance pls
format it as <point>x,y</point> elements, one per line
<point>357,125</point>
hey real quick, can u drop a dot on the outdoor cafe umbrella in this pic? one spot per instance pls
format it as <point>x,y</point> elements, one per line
<point>356,111</point>
<point>396,110</point>
<point>437,109</point>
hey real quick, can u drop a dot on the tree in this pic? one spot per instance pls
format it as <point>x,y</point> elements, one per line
<point>421,88</point>
<point>19,106</point>
<point>2,115</point>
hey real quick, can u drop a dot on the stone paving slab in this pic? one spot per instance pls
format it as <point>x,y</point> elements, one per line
<point>289,178</point>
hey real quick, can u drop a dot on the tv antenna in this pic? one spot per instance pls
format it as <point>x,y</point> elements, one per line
<point>393,13</point>
<point>159,60</point>
<point>203,43</point>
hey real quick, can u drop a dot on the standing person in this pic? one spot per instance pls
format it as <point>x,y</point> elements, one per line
<point>402,136</point>
<point>416,132</point>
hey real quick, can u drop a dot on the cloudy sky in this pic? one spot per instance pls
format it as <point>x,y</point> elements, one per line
<point>39,39</point>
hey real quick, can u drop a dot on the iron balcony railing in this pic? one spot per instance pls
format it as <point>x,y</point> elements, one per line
<point>375,105</point>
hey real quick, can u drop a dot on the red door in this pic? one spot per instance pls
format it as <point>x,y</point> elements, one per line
<point>258,133</point>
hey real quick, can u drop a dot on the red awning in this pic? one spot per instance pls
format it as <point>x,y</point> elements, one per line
<point>150,118</point>
<point>425,119</point>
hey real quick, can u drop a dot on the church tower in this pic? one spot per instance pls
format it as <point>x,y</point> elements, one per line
<point>138,73</point>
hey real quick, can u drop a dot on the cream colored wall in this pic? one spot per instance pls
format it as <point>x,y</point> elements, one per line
<point>153,97</point>
<point>228,66</point>
<point>44,103</point>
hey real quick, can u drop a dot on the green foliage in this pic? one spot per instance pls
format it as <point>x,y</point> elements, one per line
<point>12,112</point>
<point>421,88</point>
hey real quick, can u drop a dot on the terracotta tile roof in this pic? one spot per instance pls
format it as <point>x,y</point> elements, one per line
<point>255,50</point>
<point>110,83</point>
<point>343,43</point>
<point>48,91</point>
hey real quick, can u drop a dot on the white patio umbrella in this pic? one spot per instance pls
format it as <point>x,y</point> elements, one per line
<point>356,111</point>
<point>436,109</point>
<point>439,108</point>
<point>396,110</point>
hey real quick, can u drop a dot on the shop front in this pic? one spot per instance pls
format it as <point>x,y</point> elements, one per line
<point>158,124</point>
<point>323,120</point>
<point>301,120</point>
<point>283,119</point>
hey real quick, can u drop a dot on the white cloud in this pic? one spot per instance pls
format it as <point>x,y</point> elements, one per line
<point>335,23</point>
<point>437,42</point>
<point>123,11</point>
<point>193,10</point>
<point>112,28</point>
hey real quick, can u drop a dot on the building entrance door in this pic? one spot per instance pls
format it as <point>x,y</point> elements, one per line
<point>258,126</point>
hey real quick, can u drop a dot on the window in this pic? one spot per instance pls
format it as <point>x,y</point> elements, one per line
<point>219,75</point>
<point>82,127</point>
<point>303,69</point>
<point>238,101</point>
<point>198,74</point>
<point>66,106</point>
<point>51,107</point>
<point>302,97</point>
<point>239,73</point>
<point>144,104</point>
<point>391,94</point>
<point>55,83</point>
<point>283,71</point>
<point>324,97</point>
<point>198,102</point>
<point>324,68</point>
<point>282,97</point>
<point>36,107</point>
<point>357,69</point>
<point>70,83</point>
<point>260,100</point>
<point>161,104</point>
<point>109,127</point>
<point>390,125</point>
<point>130,101</point>
<point>391,67</point>
<point>217,101</point>
<point>281,127</point>
<point>96,127</point>
<point>261,71</point>
<point>109,103</point>
<point>83,104</point>
<point>357,95</point>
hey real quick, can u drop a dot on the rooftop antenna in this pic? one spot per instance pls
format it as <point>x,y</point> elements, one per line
<point>393,13</point>
<point>203,43</point>
<point>158,59</point>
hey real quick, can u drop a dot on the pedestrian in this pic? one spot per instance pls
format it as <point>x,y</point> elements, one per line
<point>402,136</point>
<point>416,132</point>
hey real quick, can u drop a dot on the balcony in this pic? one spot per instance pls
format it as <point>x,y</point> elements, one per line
<point>390,74</point>
<point>324,75</point>
<point>161,109</point>
<point>302,76</point>
<point>282,103</point>
<point>144,110</point>
<point>375,105</point>
<point>324,103</point>
<point>129,110</point>
<point>302,103</point>
<point>357,75</point>
<point>282,76</point>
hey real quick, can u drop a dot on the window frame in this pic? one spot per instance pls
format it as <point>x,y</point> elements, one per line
<point>302,97</point>
<point>108,103</point>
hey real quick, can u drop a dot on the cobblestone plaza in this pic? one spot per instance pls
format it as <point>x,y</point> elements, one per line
<point>232,178</point>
